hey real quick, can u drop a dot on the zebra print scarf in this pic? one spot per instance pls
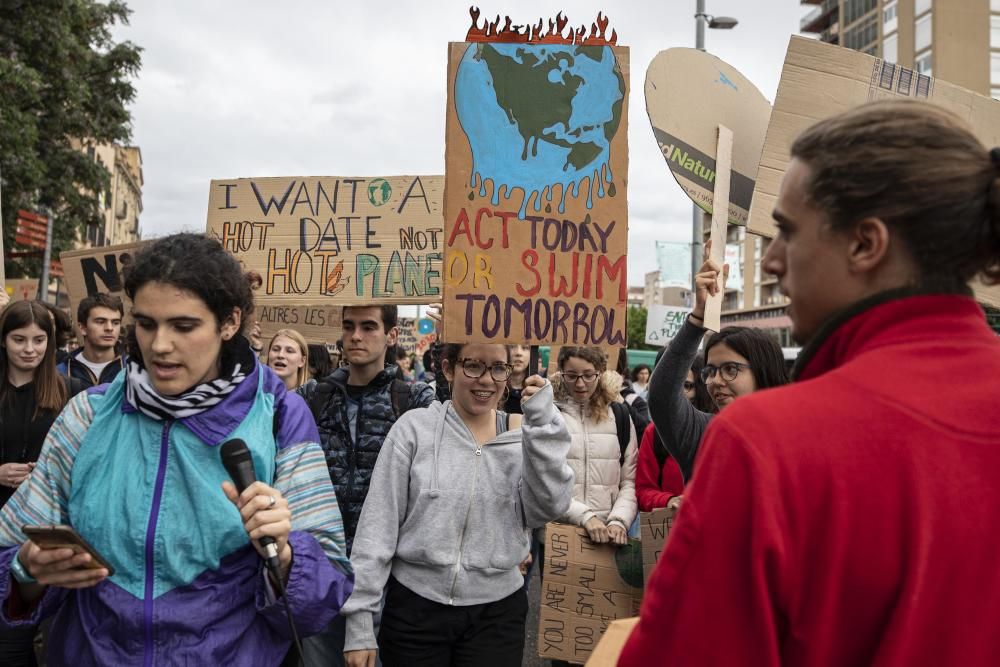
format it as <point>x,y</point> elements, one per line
<point>141,394</point>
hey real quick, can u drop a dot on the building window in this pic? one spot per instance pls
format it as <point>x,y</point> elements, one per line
<point>995,93</point>
<point>924,64</point>
<point>862,35</point>
<point>995,5</point>
<point>855,9</point>
<point>922,33</point>
<point>995,32</point>
<point>921,6</point>
<point>889,17</point>
<point>995,69</point>
<point>890,50</point>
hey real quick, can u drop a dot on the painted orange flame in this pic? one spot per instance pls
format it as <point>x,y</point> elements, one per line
<point>532,34</point>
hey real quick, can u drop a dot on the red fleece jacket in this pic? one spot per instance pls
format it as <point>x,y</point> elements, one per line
<point>651,489</point>
<point>850,518</point>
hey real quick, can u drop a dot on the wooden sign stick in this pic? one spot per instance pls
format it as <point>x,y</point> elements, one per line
<point>720,220</point>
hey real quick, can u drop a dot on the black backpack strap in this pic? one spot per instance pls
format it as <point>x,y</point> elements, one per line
<point>622,422</point>
<point>400,397</point>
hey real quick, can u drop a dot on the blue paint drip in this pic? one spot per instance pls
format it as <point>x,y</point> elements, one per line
<point>532,168</point>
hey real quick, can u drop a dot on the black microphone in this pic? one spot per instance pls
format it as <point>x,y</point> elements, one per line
<point>239,464</point>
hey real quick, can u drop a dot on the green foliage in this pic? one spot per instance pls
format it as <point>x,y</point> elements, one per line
<point>636,329</point>
<point>61,77</point>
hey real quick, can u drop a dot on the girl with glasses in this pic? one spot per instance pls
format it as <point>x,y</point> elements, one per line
<point>738,361</point>
<point>658,479</point>
<point>457,488</point>
<point>604,501</point>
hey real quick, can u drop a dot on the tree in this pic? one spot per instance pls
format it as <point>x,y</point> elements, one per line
<point>636,329</point>
<point>62,78</point>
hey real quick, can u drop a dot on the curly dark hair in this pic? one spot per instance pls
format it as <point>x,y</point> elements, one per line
<point>201,266</point>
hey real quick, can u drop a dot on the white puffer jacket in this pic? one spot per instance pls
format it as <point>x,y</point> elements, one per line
<point>602,487</point>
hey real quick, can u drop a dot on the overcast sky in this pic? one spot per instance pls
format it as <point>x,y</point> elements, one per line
<point>234,89</point>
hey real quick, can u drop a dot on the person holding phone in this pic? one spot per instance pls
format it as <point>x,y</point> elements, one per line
<point>31,395</point>
<point>134,467</point>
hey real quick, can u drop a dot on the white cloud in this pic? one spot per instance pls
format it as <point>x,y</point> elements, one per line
<point>257,88</point>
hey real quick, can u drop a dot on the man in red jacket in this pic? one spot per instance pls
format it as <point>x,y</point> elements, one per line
<point>849,518</point>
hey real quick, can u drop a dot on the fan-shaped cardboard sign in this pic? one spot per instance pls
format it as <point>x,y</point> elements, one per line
<point>689,94</point>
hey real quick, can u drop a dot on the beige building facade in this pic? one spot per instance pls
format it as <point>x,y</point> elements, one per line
<point>954,40</point>
<point>121,203</point>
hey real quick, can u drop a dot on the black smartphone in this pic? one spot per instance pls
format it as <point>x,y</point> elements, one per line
<point>65,537</point>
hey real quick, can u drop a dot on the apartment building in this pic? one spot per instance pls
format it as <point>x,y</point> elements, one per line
<point>953,40</point>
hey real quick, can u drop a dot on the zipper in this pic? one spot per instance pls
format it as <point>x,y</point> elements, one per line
<point>352,454</point>
<point>161,473</point>
<point>468,513</point>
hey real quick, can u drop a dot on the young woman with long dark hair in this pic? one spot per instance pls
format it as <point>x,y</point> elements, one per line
<point>738,361</point>
<point>32,394</point>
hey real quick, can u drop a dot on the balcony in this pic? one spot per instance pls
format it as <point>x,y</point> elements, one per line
<point>821,18</point>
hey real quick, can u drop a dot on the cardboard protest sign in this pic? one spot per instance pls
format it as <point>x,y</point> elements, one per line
<point>609,649</point>
<point>426,335</point>
<point>334,240</point>
<point>821,80</point>
<point>654,527</point>
<point>674,262</point>
<point>663,323</point>
<point>94,270</point>
<point>407,336</point>
<point>22,289</point>
<point>689,93</point>
<point>319,324</point>
<point>586,587</point>
<point>535,195</point>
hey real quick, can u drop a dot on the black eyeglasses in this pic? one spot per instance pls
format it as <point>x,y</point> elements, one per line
<point>589,377</point>
<point>475,369</point>
<point>729,371</point>
<point>688,386</point>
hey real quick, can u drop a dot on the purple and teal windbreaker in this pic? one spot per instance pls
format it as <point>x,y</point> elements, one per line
<point>189,587</point>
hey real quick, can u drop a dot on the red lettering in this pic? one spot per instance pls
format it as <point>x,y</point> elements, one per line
<point>461,227</point>
<point>605,267</point>
<point>505,216</point>
<point>587,269</point>
<point>529,258</point>
<point>479,219</point>
<point>563,289</point>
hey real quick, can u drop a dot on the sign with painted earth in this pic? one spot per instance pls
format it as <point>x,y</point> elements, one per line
<point>535,204</point>
<point>560,105</point>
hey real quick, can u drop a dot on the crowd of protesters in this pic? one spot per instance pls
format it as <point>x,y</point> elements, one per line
<point>837,518</point>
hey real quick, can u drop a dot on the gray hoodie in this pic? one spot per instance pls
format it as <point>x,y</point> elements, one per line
<point>451,521</point>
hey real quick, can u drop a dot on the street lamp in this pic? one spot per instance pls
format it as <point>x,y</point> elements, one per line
<point>716,23</point>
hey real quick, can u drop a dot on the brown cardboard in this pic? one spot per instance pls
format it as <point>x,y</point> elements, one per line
<point>536,219</point>
<point>319,323</point>
<point>334,240</point>
<point>22,289</point>
<point>612,643</point>
<point>724,154</point>
<point>586,586</point>
<point>654,527</point>
<point>821,80</point>
<point>94,270</point>
<point>689,94</point>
